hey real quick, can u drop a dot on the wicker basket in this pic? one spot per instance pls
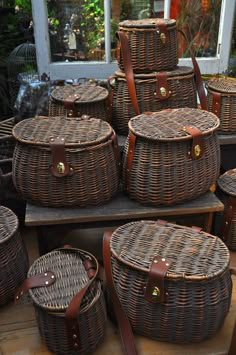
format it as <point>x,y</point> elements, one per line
<point>65,161</point>
<point>225,222</point>
<point>13,255</point>
<point>171,156</point>
<point>221,95</point>
<point>68,300</point>
<point>152,44</point>
<point>82,99</point>
<point>7,141</point>
<point>154,92</point>
<point>173,282</point>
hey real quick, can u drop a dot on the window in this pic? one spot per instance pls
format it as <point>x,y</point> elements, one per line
<point>85,31</point>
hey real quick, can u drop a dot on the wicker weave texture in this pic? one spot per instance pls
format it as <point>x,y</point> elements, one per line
<point>197,285</point>
<point>162,171</point>
<point>51,302</point>
<point>7,141</point>
<point>227,111</point>
<point>89,100</point>
<point>182,94</point>
<point>89,150</point>
<point>148,52</point>
<point>13,255</point>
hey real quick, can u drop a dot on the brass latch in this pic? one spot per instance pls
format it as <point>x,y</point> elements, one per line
<point>163,37</point>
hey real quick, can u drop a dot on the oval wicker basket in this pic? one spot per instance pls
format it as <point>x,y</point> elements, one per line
<point>179,91</point>
<point>152,43</point>
<point>68,300</point>
<point>82,99</point>
<point>221,96</point>
<point>13,255</point>
<point>173,282</point>
<point>171,156</point>
<point>65,161</point>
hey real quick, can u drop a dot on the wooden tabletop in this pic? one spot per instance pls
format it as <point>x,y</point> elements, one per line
<point>121,207</point>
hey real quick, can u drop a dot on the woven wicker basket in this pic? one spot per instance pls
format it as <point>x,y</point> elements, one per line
<point>68,300</point>
<point>225,222</point>
<point>77,100</point>
<point>13,255</point>
<point>221,96</point>
<point>171,156</point>
<point>154,92</point>
<point>152,44</point>
<point>65,161</point>
<point>173,282</point>
<point>7,141</point>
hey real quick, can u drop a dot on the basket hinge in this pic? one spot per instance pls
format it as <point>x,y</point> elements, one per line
<point>155,288</point>
<point>216,103</point>
<point>227,219</point>
<point>59,167</point>
<point>197,148</point>
<point>162,91</point>
<point>130,155</point>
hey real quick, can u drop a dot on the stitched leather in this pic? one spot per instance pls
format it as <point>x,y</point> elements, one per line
<point>197,148</point>
<point>216,98</point>
<point>57,145</point>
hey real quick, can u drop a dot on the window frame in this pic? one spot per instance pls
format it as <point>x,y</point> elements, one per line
<point>102,70</point>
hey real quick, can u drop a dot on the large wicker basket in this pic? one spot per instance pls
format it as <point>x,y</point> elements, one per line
<point>153,92</point>
<point>13,255</point>
<point>173,282</point>
<point>221,95</point>
<point>68,300</point>
<point>152,44</point>
<point>65,161</point>
<point>82,99</point>
<point>171,156</point>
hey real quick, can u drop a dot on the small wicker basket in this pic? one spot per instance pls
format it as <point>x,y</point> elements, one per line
<point>13,255</point>
<point>154,92</point>
<point>7,141</point>
<point>171,156</point>
<point>68,300</point>
<point>82,99</point>
<point>173,282</point>
<point>65,161</point>
<point>152,44</point>
<point>221,96</point>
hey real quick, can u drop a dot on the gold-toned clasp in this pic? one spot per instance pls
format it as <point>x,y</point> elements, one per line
<point>163,91</point>
<point>197,150</point>
<point>163,37</point>
<point>61,168</point>
<point>156,292</point>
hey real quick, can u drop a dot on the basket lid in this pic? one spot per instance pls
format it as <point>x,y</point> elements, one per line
<point>195,255</point>
<point>77,131</point>
<point>8,224</point>
<point>223,85</point>
<point>151,23</point>
<point>6,127</point>
<point>81,93</point>
<point>227,182</point>
<point>170,124</point>
<point>70,275</point>
<point>178,71</point>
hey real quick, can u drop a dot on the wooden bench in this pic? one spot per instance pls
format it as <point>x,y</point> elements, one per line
<point>52,223</point>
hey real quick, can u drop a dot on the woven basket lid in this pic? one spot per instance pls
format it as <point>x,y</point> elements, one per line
<point>195,255</point>
<point>6,127</point>
<point>77,131</point>
<point>223,85</point>
<point>178,71</point>
<point>8,224</point>
<point>70,277</point>
<point>227,182</point>
<point>147,23</point>
<point>170,124</point>
<point>82,93</point>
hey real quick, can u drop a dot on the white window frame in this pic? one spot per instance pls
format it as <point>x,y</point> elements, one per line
<point>102,70</point>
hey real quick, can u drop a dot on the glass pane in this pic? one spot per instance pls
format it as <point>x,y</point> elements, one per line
<point>232,57</point>
<point>200,21</point>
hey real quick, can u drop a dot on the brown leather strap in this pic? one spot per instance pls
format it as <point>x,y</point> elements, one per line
<point>216,99</point>
<point>41,280</point>
<point>197,148</point>
<point>122,320</point>
<point>162,91</point>
<point>229,211</point>
<point>163,32</point>
<point>232,348</point>
<point>60,167</point>
<point>130,155</point>
<point>128,70</point>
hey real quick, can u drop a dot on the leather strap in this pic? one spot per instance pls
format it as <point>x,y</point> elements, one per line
<point>216,99</point>
<point>163,32</point>
<point>60,167</point>
<point>197,149</point>
<point>227,219</point>
<point>130,155</point>
<point>162,91</point>
<point>125,329</point>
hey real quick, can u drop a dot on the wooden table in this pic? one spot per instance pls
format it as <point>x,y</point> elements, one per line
<point>51,223</point>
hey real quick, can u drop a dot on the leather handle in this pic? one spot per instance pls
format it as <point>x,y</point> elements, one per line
<point>129,161</point>
<point>125,329</point>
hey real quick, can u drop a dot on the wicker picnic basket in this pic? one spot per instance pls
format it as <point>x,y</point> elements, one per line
<point>13,255</point>
<point>173,282</point>
<point>225,222</point>
<point>153,92</point>
<point>221,96</point>
<point>68,300</point>
<point>171,156</point>
<point>7,141</point>
<point>62,161</point>
<point>152,44</point>
<point>81,99</point>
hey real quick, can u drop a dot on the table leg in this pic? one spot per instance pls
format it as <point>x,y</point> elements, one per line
<point>208,222</point>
